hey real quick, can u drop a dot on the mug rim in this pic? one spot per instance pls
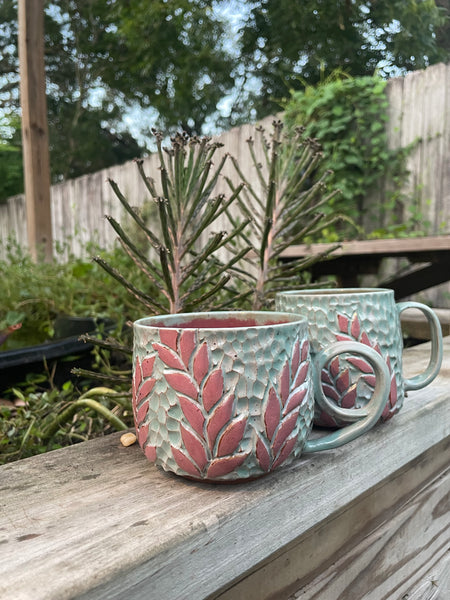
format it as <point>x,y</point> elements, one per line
<point>182,320</point>
<point>335,291</point>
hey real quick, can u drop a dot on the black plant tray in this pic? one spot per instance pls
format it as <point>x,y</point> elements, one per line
<point>15,364</point>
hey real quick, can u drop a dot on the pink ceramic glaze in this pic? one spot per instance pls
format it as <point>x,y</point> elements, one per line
<point>226,396</point>
<point>369,318</point>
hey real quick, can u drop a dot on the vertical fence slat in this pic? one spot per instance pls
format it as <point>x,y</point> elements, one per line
<point>419,107</point>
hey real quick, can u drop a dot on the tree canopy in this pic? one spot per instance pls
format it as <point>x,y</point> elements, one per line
<point>286,43</point>
<point>177,59</point>
<point>102,57</point>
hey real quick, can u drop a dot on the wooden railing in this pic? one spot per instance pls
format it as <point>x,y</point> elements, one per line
<point>369,520</point>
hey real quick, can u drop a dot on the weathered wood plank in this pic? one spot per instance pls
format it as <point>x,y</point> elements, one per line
<point>400,554</point>
<point>388,247</point>
<point>415,325</point>
<point>377,544</point>
<point>33,103</point>
<point>433,162</point>
<point>97,521</point>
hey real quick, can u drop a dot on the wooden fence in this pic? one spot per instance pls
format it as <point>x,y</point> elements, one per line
<point>419,111</point>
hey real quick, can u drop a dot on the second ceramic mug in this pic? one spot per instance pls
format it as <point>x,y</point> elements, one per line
<point>369,316</point>
<point>227,396</point>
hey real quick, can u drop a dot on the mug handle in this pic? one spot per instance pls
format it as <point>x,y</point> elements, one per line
<point>420,381</point>
<point>366,417</point>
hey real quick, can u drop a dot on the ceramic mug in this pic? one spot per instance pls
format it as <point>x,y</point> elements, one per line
<point>226,396</point>
<point>369,316</point>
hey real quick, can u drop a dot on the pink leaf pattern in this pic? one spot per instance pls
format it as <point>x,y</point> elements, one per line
<point>211,433</point>
<point>272,414</point>
<point>145,389</point>
<point>285,452</point>
<point>186,345</point>
<point>143,383</point>
<point>201,364</point>
<point>337,385</point>
<point>295,399</point>
<point>168,356</point>
<point>185,463</point>
<point>142,435</point>
<point>222,466</point>
<point>263,455</point>
<point>339,388</point>
<point>182,382</point>
<point>195,447</point>
<point>284,431</point>
<point>169,337</point>
<point>219,418</point>
<point>147,366</point>
<point>193,414</point>
<point>212,389</point>
<point>231,437</point>
<point>281,413</point>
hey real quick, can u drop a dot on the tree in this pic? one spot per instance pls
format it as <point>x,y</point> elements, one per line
<point>172,57</point>
<point>11,178</point>
<point>176,59</point>
<point>285,43</point>
<point>443,32</point>
<point>104,56</point>
<point>11,165</point>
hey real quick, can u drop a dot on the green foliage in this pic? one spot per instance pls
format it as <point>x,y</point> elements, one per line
<point>349,117</point>
<point>11,174</point>
<point>173,58</point>
<point>84,141</point>
<point>84,118</point>
<point>35,415</point>
<point>185,275</point>
<point>34,421</point>
<point>41,292</point>
<point>104,58</point>
<point>178,59</point>
<point>287,207</point>
<point>11,164</point>
<point>282,40</point>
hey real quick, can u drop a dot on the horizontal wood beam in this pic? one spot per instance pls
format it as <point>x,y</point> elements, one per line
<point>98,521</point>
<point>386,247</point>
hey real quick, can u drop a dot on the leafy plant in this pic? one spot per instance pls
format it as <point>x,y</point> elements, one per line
<point>349,117</point>
<point>288,208</point>
<point>35,294</point>
<point>187,273</point>
<point>281,39</point>
<point>33,421</point>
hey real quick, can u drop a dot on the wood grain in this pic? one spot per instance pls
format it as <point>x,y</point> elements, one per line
<point>34,127</point>
<point>97,521</point>
<point>374,548</point>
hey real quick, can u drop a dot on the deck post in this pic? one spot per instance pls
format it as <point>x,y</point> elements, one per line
<point>34,128</point>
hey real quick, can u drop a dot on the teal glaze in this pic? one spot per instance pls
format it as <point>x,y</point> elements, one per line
<point>370,317</point>
<point>423,379</point>
<point>228,396</point>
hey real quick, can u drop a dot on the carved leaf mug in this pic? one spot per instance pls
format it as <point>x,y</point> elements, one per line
<point>227,396</point>
<point>371,317</point>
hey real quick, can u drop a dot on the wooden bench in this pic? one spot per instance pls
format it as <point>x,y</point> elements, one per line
<point>429,259</point>
<point>370,520</point>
